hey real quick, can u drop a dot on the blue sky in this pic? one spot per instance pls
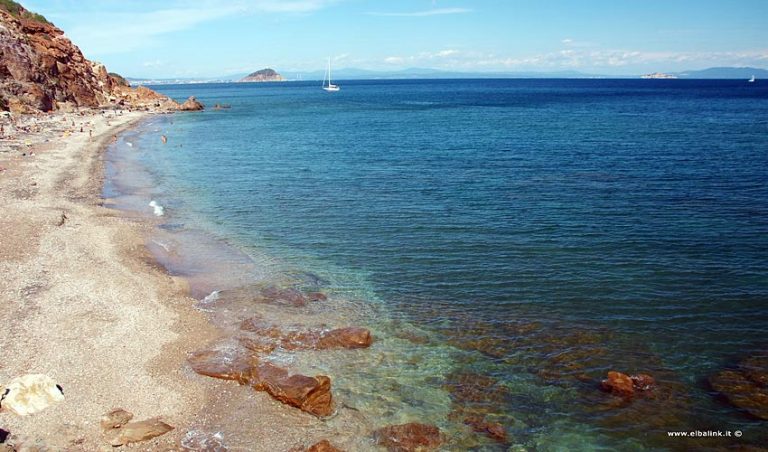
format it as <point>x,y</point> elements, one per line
<point>207,38</point>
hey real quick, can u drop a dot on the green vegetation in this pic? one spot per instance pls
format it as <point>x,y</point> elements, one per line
<point>19,11</point>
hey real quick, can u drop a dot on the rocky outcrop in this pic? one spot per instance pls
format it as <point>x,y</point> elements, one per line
<point>42,70</point>
<point>746,385</point>
<point>409,437</point>
<point>310,394</point>
<point>191,104</point>
<point>264,75</point>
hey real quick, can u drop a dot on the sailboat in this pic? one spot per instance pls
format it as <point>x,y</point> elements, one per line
<point>330,87</point>
<point>752,80</point>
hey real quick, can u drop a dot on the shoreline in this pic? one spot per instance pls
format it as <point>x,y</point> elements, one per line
<point>85,302</point>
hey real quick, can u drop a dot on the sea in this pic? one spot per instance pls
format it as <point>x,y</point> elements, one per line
<point>507,242</point>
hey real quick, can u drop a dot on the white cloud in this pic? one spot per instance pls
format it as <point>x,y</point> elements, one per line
<point>583,59</point>
<point>430,12</point>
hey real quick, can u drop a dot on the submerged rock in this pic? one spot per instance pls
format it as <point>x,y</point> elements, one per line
<point>624,385</point>
<point>351,337</point>
<point>493,430</point>
<point>298,339</point>
<point>746,386</point>
<point>409,437</point>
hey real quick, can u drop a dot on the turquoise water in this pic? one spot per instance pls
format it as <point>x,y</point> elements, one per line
<point>508,241</point>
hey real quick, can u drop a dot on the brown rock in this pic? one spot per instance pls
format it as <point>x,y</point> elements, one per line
<point>493,429</point>
<point>317,296</point>
<point>310,394</point>
<point>222,364</point>
<point>134,432</point>
<point>618,383</point>
<point>409,437</point>
<point>290,296</point>
<point>115,419</point>
<point>744,386</point>
<point>642,382</point>
<point>191,104</point>
<point>323,446</point>
<point>351,337</point>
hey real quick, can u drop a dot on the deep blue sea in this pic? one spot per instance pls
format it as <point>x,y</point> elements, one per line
<point>515,239</point>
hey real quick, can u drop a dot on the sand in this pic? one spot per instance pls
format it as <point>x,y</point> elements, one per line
<point>85,302</point>
<point>82,300</point>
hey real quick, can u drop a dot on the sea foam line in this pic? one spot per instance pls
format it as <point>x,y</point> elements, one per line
<point>157,208</point>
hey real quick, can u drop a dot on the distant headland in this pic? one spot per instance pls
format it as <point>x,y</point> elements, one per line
<point>263,75</point>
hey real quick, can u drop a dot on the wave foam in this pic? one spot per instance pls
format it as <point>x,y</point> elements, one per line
<point>157,208</point>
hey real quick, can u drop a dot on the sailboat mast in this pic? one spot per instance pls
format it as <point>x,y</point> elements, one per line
<point>329,71</point>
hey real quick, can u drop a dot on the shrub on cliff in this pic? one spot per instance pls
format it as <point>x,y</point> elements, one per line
<point>18,11</point>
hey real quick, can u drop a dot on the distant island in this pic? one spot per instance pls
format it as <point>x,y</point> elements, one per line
<point>660,75</point>
<point>264,75</point>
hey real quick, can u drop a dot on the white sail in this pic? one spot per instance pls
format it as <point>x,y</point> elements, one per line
<point>330,86</point>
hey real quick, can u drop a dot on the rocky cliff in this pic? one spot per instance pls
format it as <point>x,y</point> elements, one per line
<point>264,75</point>
<point>42,70</point>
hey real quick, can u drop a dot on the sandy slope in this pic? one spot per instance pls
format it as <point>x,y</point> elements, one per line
<point>83,302</point>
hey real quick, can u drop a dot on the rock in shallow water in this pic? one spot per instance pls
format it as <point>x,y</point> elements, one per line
<point>223,364</point>
<point>409,437</point>
<point>303,339</point>
<point>191,104</point>
<point>310,394</point>
<point>624,385</point>
<point>746,386</point>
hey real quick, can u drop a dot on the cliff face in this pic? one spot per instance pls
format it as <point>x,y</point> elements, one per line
<point>264,75</point>
<point>42,70</point>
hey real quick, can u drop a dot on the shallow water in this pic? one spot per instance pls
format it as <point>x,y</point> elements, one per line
<point>507,241</point>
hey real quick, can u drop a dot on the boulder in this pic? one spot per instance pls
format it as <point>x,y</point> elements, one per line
<point>310,394</point>
<point>409,437</point>
<point>191,104</point>
<point>223,364</point>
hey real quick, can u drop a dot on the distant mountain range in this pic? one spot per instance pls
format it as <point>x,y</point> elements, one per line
<point>425,73</point>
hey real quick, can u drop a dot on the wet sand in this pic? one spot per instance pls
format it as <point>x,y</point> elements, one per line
<point>81,299</point>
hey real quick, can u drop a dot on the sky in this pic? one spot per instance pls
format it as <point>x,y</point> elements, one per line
<point>213,38</point>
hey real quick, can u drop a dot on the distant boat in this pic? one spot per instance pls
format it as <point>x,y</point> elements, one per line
<point>752,80</point>
<point>330,87</point>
